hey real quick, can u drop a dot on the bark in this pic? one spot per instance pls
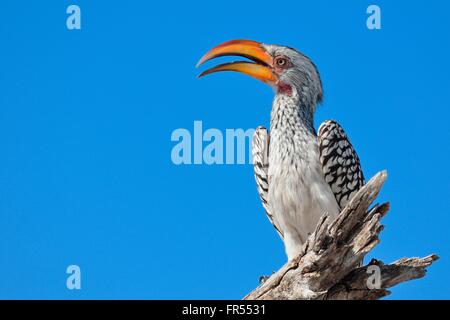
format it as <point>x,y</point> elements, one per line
<point>328,266</point>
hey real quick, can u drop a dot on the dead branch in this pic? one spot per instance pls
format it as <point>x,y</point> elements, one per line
<point>328,265</point>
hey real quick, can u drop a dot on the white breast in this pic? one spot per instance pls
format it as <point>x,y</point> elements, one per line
<point>298,194</point>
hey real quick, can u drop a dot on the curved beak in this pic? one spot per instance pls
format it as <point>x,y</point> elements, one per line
<point>260,68</point>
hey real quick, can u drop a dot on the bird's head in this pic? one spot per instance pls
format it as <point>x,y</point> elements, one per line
<point>287,70</point>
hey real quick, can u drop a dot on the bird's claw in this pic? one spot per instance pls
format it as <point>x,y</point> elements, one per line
<point>263,279</point>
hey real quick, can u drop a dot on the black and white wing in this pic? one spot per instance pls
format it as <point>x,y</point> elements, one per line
<point>260,154</point>
<point>340,163</point>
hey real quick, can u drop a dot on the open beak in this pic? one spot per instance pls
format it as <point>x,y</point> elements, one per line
<point>260,68</point>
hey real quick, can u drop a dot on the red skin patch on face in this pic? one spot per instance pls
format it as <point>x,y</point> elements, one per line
<point>284,88</point>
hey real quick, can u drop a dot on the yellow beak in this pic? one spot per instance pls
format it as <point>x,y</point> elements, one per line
<point>260,68</point>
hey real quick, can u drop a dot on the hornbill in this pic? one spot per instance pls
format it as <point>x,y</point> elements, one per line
<point>300,174</point>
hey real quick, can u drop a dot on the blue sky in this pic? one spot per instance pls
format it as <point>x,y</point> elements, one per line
<point>86,117</point>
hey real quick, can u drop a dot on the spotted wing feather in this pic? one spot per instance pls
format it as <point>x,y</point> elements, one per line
<point>340,163</point>
<point>260,154</point>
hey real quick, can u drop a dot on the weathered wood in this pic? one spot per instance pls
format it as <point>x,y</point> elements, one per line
<point>328,265</point>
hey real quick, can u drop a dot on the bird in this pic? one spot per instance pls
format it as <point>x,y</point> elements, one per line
<point>301,174</point>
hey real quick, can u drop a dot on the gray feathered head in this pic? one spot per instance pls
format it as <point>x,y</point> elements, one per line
<point>287,70</point>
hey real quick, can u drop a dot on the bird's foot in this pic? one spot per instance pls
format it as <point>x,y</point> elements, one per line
<point>263,279</point>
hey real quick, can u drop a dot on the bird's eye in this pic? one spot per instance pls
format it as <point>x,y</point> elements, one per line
<point>281,62</point>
